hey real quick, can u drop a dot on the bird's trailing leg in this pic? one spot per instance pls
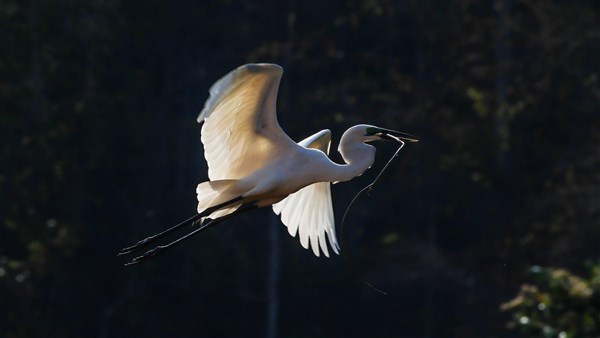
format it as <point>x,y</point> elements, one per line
<point>149,240</point>
<point>211,222</point>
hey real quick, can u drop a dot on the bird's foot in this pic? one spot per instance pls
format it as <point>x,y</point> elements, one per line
<point>136,246</point>
<point>147,255</point>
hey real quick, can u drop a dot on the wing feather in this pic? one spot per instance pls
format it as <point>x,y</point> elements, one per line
<point>240,131</point>
<point>309,211</point>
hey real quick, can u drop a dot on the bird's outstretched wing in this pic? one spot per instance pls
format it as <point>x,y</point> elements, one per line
<point>240,130</point>
<point>309,211</point>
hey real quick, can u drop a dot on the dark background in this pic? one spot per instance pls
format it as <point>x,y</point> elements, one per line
<point>99,147</point>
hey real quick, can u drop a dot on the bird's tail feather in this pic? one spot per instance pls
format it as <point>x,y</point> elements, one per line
<point>213,193</point>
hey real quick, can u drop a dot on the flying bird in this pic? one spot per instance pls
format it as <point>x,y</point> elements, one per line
<point>253,163</point>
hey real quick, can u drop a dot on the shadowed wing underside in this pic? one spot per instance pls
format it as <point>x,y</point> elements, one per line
<point>240,131</point>
<point>309,211</point>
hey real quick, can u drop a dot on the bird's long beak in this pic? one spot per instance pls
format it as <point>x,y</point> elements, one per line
<point>395,135</point>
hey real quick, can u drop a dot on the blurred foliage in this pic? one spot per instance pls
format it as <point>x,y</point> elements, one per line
<point>559,304</point>
<point>99,147</point>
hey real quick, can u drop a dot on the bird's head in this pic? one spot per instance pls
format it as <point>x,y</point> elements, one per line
<point>371,133</point>
<point>359,136</point>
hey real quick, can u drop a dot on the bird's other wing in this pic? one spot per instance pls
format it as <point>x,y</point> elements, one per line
<point>240,131</point>
<point>309,211</point>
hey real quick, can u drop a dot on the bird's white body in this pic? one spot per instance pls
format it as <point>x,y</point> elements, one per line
<point>299,167</point>
<point>273,182</point>
<point>252,162</point>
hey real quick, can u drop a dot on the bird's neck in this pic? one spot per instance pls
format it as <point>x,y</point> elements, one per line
<point>358,156</point>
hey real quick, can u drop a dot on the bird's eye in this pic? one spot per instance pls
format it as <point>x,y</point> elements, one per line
<point>370,131</point>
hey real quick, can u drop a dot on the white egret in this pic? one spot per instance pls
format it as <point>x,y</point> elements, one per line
<point>253,163</point>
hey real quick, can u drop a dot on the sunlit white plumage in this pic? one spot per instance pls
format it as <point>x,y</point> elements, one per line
<point>252,162</point>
